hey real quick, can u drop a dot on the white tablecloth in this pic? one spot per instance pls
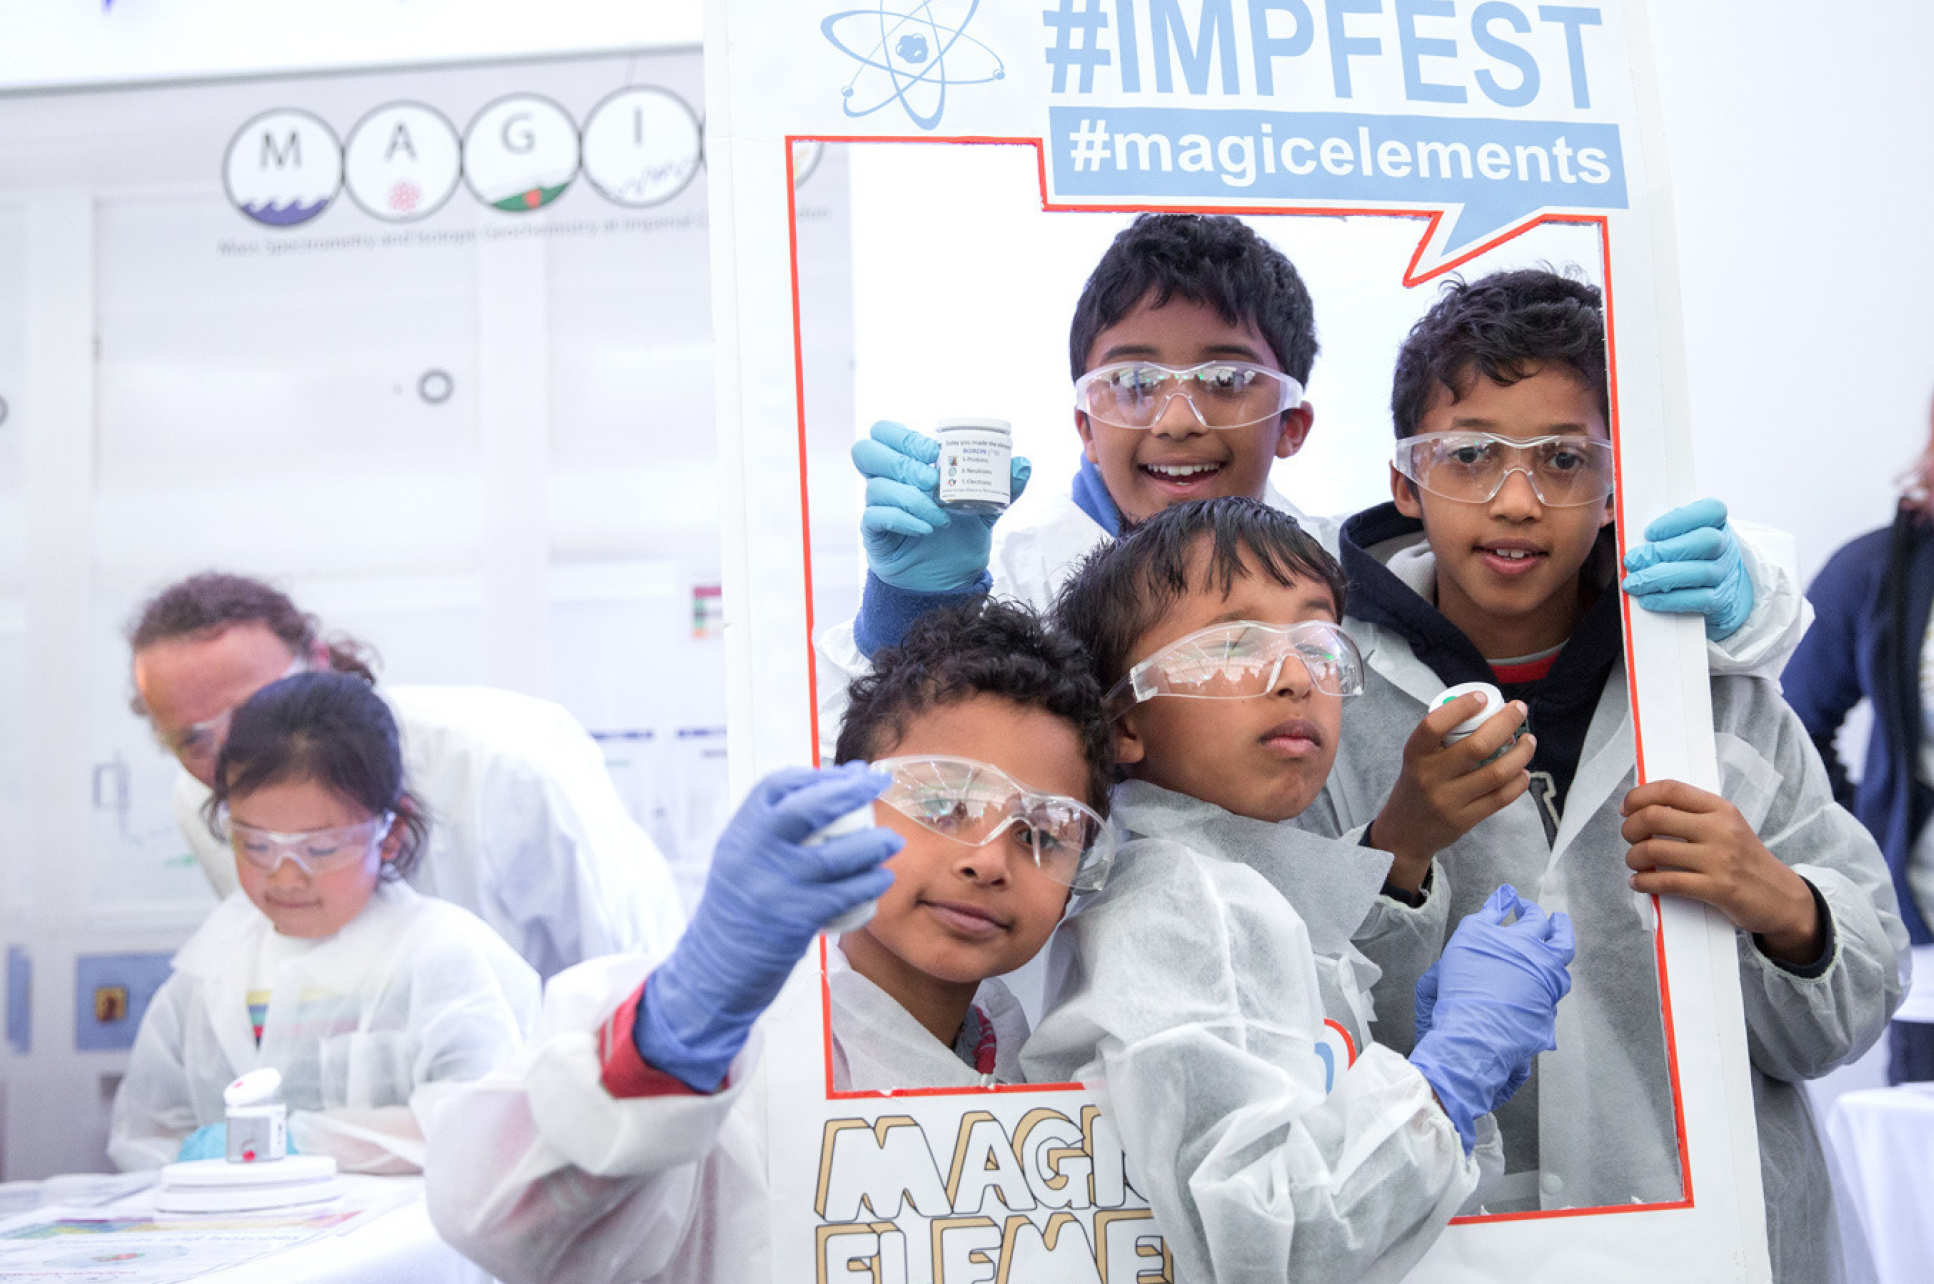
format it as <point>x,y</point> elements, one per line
<point>1883,1142</point>
<point>391,1243</point>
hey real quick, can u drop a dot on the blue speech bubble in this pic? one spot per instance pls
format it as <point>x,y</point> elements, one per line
<point>1492,173</point>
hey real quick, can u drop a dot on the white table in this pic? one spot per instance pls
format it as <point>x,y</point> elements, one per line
<point>394,1242</point>
<point>1883,1142</point>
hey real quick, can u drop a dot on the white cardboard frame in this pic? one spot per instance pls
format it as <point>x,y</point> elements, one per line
<point>773,76</point>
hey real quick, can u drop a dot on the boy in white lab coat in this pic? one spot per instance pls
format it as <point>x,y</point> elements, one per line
<point>632,1147</point>
<point>1191,348</point>
<point>1210,993</point>
<point>1494,563</point>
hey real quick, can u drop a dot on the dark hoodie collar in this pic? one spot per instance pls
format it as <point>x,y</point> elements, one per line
<point>1377,596</point>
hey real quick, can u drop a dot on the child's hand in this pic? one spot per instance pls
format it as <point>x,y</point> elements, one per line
<point>1690,565</point>
<point>769,892</point>
<point>1687,842</point>
<point>1445,791</point>
<point>911,541</point>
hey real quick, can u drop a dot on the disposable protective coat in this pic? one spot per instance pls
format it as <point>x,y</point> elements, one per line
<point>545,1176</point>
<point>1600,1106</point>
<point>1192,997</point>
<point>527,831</point>
<point>411,992</point>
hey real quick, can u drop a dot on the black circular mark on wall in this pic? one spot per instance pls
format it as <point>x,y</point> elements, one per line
<point>3,410</point>
<point>435,386</point>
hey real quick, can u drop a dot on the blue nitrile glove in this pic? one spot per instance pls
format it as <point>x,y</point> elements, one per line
<point>1690,565</point>
<point>911,541</point>
<point>766,897</point>
<point>210,1141</point>
<point>1489,1005</point>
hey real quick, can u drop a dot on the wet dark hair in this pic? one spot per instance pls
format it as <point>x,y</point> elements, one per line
<point>1504,327</point>
<point>1216,260</point>
<point>330,728</point>
<point>992,648</point>
<point>205,604</point>
<point>1123,589</point>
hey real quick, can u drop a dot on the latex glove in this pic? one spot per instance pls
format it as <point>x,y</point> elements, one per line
<point>1489,1005</point>
<point>911,541</point>
<point>210,1141</point>
<point>1690,565</point>
<point>766,897</point>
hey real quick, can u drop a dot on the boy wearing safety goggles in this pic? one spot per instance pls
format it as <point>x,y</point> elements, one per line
<point>1495,563</point>
<point>1210,993</point>
<point>633,1146</point>
<point>1191,348</point>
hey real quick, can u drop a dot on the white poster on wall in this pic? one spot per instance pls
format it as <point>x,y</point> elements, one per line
<point>1423,137</point>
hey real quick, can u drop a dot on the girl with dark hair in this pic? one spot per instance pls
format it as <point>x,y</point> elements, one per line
<point>531,836</point>
<point>324,964</point>
<point>1874,602</point>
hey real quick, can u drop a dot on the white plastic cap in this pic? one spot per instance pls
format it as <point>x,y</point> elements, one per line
<point>254,1088</point>
<point>1493,702</point>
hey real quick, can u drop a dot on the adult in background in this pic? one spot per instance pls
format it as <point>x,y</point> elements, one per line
<point>529,833</point>
<point>1871,638</point>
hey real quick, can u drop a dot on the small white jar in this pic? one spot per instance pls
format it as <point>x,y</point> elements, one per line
<point>975,455</point>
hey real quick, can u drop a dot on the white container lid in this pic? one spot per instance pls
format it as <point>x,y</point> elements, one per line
<point>981,425</point>
<point>1493,702</point>
<point>254,1088</point>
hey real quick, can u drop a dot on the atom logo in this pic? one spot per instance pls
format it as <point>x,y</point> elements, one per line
<point>903,57</point>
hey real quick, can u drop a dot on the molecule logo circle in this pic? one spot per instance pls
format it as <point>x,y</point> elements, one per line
<point>520,153</point>
<point>402,162</point>
<point>910,57</point>
<point>642,146</point>
<point>283,167</point>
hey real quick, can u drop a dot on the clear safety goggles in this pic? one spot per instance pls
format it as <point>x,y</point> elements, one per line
<point>974,803</point>
<point>314,851</point>
<point>199,742</point>
<point>1240,659</point>
<point>1565,469</point>
<point>1222,394</point>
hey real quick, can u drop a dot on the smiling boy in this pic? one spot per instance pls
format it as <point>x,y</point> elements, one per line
<point>1495,562</point>
<point>633,1145</point>
<point>1210,995</point>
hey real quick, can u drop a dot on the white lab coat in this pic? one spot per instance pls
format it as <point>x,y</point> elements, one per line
<point>412,991</point>
<point>1191,994</point>
<point>526,830</point>
<point>1036,548</point>
<point>1600,1105</point>
<point>545,1176</point>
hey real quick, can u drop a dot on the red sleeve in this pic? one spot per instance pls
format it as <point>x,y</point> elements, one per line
<point>625,1072</point>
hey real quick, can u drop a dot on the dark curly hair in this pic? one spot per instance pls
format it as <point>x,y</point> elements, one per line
<point>1124,588</point>
<point>214,600</point>
<point>1505,327</point>
<point>330,728</point>
<point>990,647</point>
<point>1216,260</point>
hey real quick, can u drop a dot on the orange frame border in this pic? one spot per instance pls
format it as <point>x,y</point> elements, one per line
<point>1411,279</point>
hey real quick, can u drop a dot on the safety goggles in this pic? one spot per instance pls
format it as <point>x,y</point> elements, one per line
<point>975,803</point>
<point>1240,659</point>
<point>314,851</point>
<point>199,742</point>
<point>1565,469</point>
<point>1222,394</point>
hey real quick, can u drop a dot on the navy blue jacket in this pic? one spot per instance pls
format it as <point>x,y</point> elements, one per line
<point>1872,602</point>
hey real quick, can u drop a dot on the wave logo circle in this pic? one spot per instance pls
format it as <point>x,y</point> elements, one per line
<point>910,57</point>
<point>283,167</point>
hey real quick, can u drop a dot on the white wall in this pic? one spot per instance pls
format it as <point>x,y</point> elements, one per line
<point>1802,147</point>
